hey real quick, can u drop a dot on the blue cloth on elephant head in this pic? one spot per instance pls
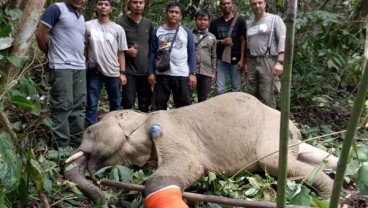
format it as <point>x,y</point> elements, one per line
<point>155,131</point>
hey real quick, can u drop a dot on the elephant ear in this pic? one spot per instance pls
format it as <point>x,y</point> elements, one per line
<point>130,121</point>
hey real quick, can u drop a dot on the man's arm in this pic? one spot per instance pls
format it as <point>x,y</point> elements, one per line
<point>121,59</point>
<point>42,37</point>
<point>242,53</point>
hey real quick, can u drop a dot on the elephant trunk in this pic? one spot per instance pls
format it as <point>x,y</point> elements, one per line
<point>74,171</point>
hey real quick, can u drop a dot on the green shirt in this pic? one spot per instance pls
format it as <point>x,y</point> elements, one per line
<point>137,34</point>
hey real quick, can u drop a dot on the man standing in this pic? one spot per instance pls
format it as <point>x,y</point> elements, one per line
<point>60,35</point>
<point>181,77</point>
<point>105,46</point>
<point>205,43</point>
<point>220,27</point>
<point>264,62</point>
<point>138,30</point>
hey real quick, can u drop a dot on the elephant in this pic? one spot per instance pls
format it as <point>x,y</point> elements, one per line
<point>224,135</point>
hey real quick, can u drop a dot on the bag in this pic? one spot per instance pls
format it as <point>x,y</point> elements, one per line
<point>162,56</point>
<point>162,60</point>
<point>92,67</point>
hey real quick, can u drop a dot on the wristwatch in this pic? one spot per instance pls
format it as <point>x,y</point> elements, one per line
<point>123,72</point>
<point>281,62</point>
<point>193,73</point>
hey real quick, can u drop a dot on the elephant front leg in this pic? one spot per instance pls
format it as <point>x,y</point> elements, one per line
<point>164,187</point>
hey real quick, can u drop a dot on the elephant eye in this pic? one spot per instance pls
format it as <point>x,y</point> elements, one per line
<point>122,114</point>
<point>89,131</point>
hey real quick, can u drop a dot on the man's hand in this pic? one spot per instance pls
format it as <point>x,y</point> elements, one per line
<point>227,41</point>
<point>240,65</point>
<point>132,51</point>
<point>192,81</point>
<point>213,78</point>
<point>151,79</point>
<point>123,80</point>
<point>277,69</point>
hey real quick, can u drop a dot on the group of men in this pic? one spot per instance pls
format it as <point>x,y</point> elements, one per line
<point>120,56</point>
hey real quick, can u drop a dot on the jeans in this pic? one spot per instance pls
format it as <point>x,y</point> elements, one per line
<point>95,82</point>
<point>224,69</point>
<point>167,84</point>
<point>67,101</point>
<point>136,86</point>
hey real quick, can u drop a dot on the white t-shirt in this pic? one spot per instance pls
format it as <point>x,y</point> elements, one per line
<point>105,40</point>
<point>179,53</point>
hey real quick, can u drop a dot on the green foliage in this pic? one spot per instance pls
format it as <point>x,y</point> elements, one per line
<point>10,165</point>
<point>329,51</point>
<point>359,167</point>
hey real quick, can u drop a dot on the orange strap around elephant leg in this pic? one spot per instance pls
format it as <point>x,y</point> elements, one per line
<point>168,197</point>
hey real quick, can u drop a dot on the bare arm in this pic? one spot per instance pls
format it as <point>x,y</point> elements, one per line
<point>42,37</point>
<point>121,59</point>
<point>242,55</point>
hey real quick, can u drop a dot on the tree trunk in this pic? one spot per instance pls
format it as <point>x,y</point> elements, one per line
<point>22,40</point>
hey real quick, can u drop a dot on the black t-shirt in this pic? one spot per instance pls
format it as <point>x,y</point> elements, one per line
<point>220,28</point>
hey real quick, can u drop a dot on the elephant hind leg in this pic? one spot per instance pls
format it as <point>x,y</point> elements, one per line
<point>296,168</point>
<point>314,156</point>
<point>321,181</point>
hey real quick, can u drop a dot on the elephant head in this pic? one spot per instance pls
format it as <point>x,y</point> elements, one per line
<point>109,142</point>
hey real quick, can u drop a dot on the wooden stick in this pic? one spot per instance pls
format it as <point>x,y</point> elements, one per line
<point>198,197</point>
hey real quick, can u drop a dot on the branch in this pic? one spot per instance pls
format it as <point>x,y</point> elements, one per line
<point>198,197</point>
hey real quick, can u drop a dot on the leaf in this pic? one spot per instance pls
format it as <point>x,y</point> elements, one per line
<point>14,60</point>
<point>6,42</point>
<point>47,121</point>
<point>251,192</point>
<point>102,170</point>
<point>253,182</point>
<point>362,179</point>
<point>23,192</point>
<point>5,31</point>
<point>361,152</point>
<point>211,177</point>
<point>10,164</point>
<point>302,198</point>
<point>14,13</point>
<point>352,168</point>
<point>35,171</point>
<point>315,171</point>
<point>22,102</point>
<point>126,174</point>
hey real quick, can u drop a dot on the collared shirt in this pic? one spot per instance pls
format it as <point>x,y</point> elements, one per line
<point>205,43</point>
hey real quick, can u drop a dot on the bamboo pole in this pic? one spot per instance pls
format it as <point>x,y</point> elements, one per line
<point>351,130</point>
<point>285,103</point>
<point>198,197</point>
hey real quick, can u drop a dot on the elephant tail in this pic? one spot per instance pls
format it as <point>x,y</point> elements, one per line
<point>74,171</point>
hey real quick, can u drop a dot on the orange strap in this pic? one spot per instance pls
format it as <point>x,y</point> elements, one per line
<point>169,197</point>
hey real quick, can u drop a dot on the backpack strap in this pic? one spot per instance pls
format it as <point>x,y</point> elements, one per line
<point>271,35</point>
<point>173,40</point>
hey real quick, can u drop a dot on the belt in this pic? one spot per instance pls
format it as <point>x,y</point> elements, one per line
<point>262,56</point>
